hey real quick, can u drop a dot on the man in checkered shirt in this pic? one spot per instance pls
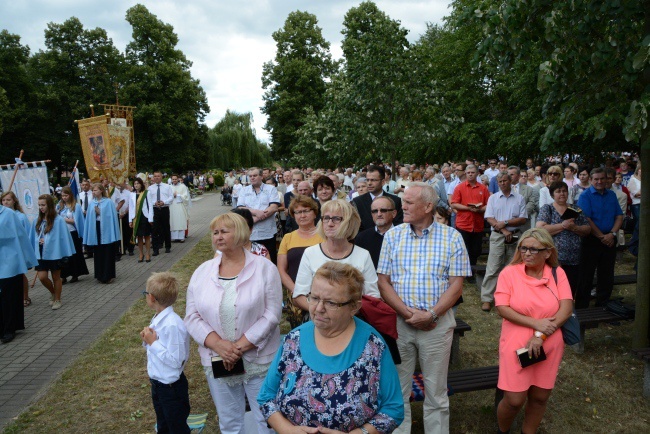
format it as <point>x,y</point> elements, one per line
<point>421,271</point>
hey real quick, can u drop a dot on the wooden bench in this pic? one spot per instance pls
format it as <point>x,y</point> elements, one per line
<point>622,279</point>
<point>459,332</point>
<point>644,354</point>
<point>590,318</point>
<point>464,380</point>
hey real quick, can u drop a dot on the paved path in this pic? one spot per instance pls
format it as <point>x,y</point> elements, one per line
<point>53,339</point>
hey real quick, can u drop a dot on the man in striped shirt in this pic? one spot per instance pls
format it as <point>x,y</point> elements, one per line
<point>421,271</point>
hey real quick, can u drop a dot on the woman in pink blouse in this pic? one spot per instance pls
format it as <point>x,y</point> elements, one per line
<point>234,304</point>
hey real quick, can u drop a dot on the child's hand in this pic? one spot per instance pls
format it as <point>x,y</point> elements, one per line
<point>148,335</point>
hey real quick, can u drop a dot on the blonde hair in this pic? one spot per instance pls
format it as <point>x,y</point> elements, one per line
<point>163,287</point>
<point>235,222</point>
<point>342,276</point>
<point>349,227</point>
<point>545,239</point>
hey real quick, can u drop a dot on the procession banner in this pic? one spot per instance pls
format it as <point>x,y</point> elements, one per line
<point>120,137</point>
<point>30,183</point>
<point>96,146</point>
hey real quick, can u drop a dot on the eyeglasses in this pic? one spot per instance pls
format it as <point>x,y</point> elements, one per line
<point>329,304</point>
<point>144,294</point>
<point>383,210</point>
<point>554,173</point>
<point>303,211</point>
<point>532,250</point>
<point>335,219</point>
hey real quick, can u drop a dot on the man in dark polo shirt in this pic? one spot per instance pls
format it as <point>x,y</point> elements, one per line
<point>383,214</point>
<point>605,217</point>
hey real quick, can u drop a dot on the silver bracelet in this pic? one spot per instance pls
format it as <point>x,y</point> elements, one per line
<point>363,429</point>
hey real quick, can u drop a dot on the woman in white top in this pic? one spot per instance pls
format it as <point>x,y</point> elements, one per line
<point>74,218</point>
<point>140,218</point>
<point>236,188</point>
<point>339,225</point>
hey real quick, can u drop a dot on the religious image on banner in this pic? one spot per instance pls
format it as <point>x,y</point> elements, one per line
<point>120,145</point>
<point>30,183</point>
<point>96,146</point>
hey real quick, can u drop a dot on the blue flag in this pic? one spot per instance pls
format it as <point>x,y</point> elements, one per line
<point>74,183</point>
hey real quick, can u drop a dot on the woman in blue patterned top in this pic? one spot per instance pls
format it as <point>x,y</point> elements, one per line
<point>334,373</point>
<point>566,232</point>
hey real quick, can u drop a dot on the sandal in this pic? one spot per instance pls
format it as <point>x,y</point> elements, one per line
<point>27,302</point>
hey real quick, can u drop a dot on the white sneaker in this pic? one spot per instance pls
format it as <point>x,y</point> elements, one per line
<point>56,305</point>
<point>51,299</point>
<point>593,292</point>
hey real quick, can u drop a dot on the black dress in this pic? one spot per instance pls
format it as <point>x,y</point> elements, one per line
<point>144,227</point>
<point>104,255</point>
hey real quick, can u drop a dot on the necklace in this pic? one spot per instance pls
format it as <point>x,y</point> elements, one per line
<point>346,252</point>
<point>308,233</point>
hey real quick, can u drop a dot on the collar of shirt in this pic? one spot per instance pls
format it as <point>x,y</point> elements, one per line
<point>377,229</point>
<point>501,194</point>
<point>425,231</point>
<point>157,318</point>
<point>372,196</point>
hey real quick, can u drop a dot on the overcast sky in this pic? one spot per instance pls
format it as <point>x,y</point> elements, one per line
<point>227,41</point>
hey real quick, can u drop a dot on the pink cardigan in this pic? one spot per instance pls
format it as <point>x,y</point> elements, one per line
<point>259,307</point>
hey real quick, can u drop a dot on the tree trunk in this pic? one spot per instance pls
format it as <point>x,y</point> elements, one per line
<point>642,318</point>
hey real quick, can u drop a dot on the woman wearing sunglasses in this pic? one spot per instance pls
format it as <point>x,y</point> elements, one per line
<point>553,174</point>
<point>534,304</point>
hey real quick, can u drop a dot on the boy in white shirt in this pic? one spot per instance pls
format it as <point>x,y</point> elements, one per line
<point>168,347</point>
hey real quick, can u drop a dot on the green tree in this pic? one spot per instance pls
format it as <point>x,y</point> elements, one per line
<point>295,80</point>
<point>381,106</point>
<point>594,74</point>
<point>17,99</point>
<point>233,143</point>
<point>78,68</point>
<point>171,105</point>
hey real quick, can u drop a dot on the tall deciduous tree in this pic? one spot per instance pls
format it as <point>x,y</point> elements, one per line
<point>17,101</point>
<point>233,143</point>
<point>78,68</point>
<point>171,105</point>
<point>595,77</point>
<point>295,80</point>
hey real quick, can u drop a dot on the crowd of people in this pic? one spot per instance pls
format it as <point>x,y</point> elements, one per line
<point>104,222</point>
<point>327,247</point>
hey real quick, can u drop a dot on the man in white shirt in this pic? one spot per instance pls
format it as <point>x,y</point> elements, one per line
<point>119,201</point>
<point>160,196</point>
<point>85,196</point>
<point>492,171</point>
<point>506,213</point>
<point>262,201</point>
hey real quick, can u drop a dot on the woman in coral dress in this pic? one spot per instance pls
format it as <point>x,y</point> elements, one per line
<point>534,304</point>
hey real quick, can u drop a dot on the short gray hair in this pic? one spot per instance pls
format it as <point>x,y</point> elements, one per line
<point>427,193</point>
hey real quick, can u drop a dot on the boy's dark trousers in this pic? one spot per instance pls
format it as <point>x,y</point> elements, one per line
<point>172,405</point>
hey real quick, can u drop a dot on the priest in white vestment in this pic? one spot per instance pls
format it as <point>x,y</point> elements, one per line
<point>178,214</point>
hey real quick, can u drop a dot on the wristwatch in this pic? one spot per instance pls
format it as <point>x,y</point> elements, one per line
<point>434,316</point>
<point>614,233</point>
<point>540,335</point>
<point>506,223</point>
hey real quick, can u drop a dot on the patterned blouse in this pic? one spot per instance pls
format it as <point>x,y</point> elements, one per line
<point>567,243</point>
<point>341,392</point>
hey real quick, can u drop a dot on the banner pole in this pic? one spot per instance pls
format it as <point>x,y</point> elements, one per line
<point>13,178</point>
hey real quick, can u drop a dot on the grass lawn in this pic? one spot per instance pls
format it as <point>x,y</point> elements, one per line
<point>107,389</point>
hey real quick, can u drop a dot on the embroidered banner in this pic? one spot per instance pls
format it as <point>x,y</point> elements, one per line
<point>96,146</point>
<point>30,183</point>
<point>120,148</point>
